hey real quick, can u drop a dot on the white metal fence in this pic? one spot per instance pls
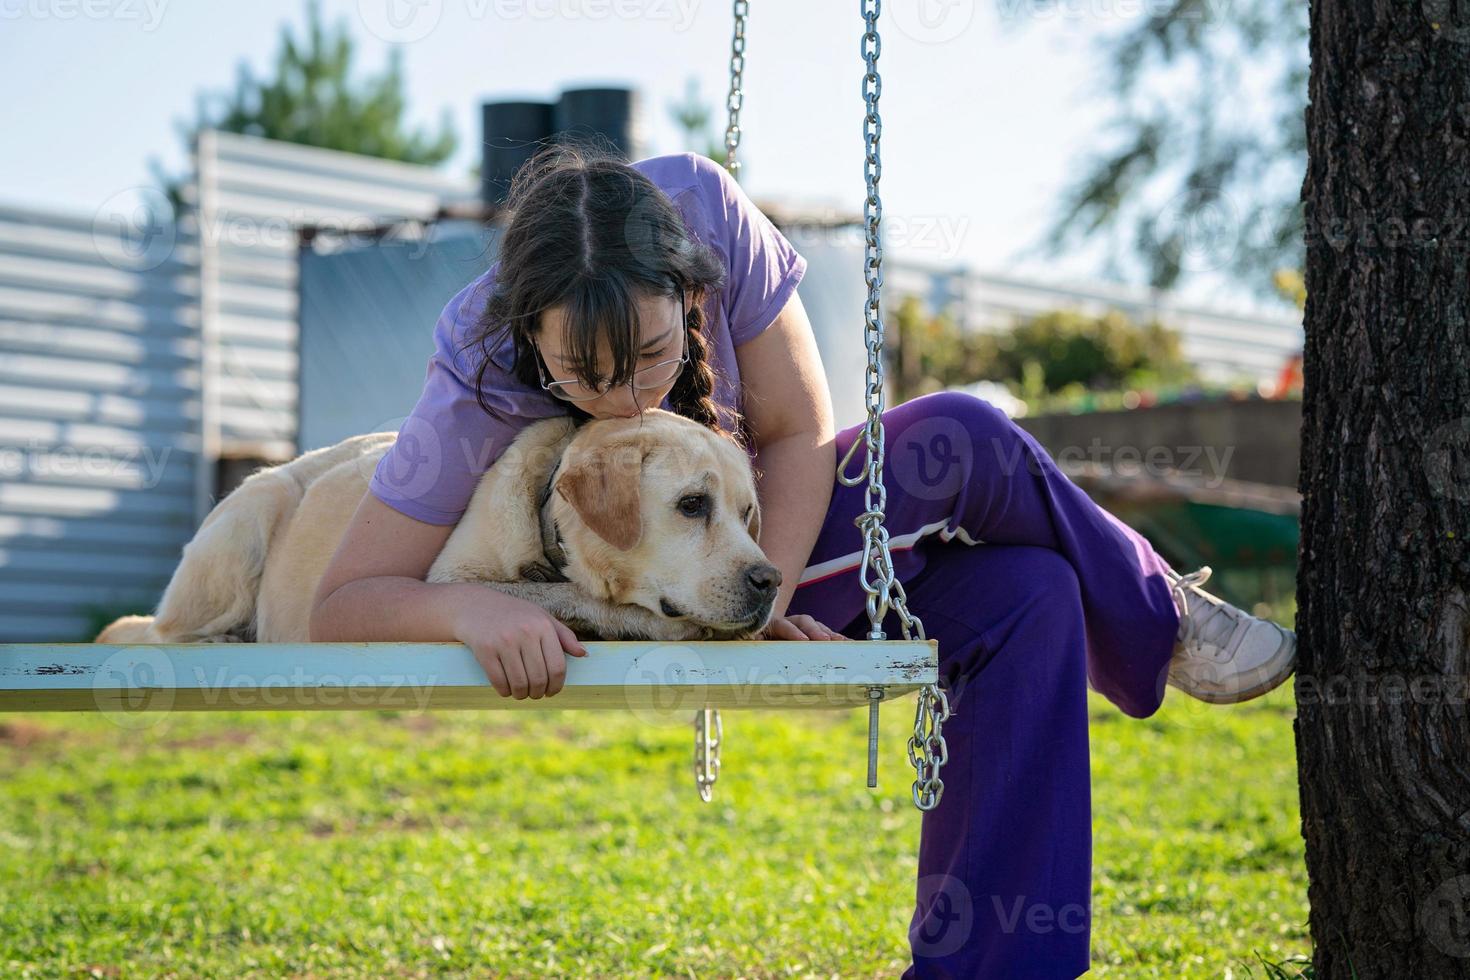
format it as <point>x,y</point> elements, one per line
<point>1223,344</point>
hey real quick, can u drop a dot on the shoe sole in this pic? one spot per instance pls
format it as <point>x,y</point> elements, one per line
<point>1250,693</point>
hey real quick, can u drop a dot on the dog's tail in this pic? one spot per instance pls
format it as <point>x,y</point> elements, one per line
<point>212,594</point>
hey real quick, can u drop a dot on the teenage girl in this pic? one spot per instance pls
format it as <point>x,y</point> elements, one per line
<point>619,287</point>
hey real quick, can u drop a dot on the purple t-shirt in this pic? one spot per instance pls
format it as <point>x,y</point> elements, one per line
<point>449,441</point>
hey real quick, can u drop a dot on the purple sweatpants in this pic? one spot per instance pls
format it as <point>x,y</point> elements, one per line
<point>1031,589</point>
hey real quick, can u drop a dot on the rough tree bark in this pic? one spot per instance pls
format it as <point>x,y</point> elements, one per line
<point>1382,732</point>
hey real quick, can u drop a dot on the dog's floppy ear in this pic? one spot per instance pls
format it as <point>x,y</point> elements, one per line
<point>604,488</point>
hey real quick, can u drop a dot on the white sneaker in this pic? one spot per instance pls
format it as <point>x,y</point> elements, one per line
<point>1223,654</point>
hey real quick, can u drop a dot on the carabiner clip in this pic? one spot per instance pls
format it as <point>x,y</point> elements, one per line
<point>846,458</point>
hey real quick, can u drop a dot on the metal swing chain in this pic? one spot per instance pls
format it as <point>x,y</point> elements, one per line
<point>737,88</point>
<point>926,748</point>
<point>707,720</point>
<point>707,751</point>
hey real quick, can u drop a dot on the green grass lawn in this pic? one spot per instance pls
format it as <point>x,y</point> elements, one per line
<point>573,844</point>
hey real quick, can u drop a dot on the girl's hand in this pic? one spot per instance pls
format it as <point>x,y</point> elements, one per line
<point>522,647</point>
<point>798,627</point>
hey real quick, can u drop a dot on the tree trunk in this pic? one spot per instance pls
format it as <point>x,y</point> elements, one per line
<point>1382,733</point>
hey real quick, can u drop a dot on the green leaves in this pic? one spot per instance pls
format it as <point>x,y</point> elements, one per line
<point>311,95</point>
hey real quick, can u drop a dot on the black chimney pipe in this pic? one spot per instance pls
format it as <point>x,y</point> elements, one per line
<point>511,133</point>
<point>612,113</point>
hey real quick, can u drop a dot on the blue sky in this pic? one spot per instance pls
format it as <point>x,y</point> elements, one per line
<point>987,113</point>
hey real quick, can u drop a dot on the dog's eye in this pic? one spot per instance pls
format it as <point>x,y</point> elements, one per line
<point>746,516</point>
<point>694,505</point>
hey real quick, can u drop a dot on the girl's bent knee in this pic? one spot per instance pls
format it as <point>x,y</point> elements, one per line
<point>969,426</point>
<point>972,410</point>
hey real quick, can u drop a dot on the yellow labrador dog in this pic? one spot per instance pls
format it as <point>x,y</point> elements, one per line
<point>641,528</point>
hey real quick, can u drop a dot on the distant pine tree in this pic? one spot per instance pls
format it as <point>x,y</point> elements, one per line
<point>1198,166</point>
<point>311,97</point>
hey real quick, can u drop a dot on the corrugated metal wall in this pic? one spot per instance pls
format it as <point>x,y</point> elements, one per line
<point>125,352</point>
<point>367,325</point>
<point>99,402</point>
<point>252,195</point>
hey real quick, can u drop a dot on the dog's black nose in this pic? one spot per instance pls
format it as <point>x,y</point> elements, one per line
<point>764,579</point>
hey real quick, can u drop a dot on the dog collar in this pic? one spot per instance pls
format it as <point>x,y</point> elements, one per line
<point>552,550</point>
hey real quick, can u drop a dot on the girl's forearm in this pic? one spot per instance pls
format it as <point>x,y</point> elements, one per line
<point>795,491</point>
<point>390,608</point>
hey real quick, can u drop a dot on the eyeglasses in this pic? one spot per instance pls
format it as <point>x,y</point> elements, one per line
<point>644,379</point>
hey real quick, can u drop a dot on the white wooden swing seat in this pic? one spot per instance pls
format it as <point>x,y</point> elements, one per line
<point>778,674</point>
<point>657,677</point>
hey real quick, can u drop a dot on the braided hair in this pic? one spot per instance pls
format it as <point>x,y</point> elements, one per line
<point>592,234</point>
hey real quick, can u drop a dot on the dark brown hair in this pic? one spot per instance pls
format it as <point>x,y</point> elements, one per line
<point>589,231</point>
